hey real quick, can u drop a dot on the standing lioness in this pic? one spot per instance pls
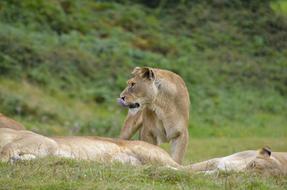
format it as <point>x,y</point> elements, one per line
<point>158,100</point>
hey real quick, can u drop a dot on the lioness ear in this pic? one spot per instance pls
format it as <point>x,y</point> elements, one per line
<point>136,71</point>
<point>266,151</point>
<point>144,72</point>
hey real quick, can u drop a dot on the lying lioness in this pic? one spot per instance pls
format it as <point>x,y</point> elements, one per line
<point>6,122</point>
<point>262,160</point>
<point>25,145</point>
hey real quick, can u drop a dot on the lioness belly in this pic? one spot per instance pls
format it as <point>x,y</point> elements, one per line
<point>84,148</point>
<point>237,161</point>
<point>95,149</point>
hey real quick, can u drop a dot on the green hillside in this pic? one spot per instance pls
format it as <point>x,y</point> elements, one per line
<point>63,63</point>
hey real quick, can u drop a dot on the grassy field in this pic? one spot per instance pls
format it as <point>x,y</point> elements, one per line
<point>63,63</point>
<point>53,173</point>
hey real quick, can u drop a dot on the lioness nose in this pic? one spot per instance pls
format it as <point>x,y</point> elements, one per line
<point>123,98</point>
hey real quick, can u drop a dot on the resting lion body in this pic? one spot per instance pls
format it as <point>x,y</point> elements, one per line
<point>6,122</point>
<point>158,103</point>
<point>26,145</point>
<point>251,160</point>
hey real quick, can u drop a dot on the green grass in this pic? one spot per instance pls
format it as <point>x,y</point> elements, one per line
<point>64,63</point>
<point>51,173</point>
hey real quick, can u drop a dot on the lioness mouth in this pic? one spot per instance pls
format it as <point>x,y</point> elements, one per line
<point>130,105</point>
<point>135,105</point>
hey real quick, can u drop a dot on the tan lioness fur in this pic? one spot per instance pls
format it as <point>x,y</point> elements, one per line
<point>158,102</point>
<point>6,122</point>
<point>25,145</point>
<point>262,160</point>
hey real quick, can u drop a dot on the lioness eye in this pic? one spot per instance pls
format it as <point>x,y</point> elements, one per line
<point>132,84</point>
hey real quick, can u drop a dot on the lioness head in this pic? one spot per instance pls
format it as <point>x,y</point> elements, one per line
<point>264,162</point>
<point>141,89</point>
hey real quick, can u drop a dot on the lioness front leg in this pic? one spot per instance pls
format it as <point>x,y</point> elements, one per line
<point>179,145</point>
<point>147,136</point>
<point>132,123</point>
<point>204,166</point>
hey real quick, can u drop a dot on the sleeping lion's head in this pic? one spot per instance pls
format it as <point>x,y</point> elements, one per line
<point>141,89</point>
<point>265,162</point>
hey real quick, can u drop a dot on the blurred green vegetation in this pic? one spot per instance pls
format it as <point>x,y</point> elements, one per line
<point>63,63</point>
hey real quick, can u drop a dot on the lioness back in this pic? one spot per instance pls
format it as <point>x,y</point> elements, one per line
<point>6,122</point>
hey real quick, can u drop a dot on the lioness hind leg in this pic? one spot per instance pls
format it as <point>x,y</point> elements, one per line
<point>22,157</point>
<point>179,146</point>
<point>125,158</point>
<point>9,153</point>
<point>30,147</point>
